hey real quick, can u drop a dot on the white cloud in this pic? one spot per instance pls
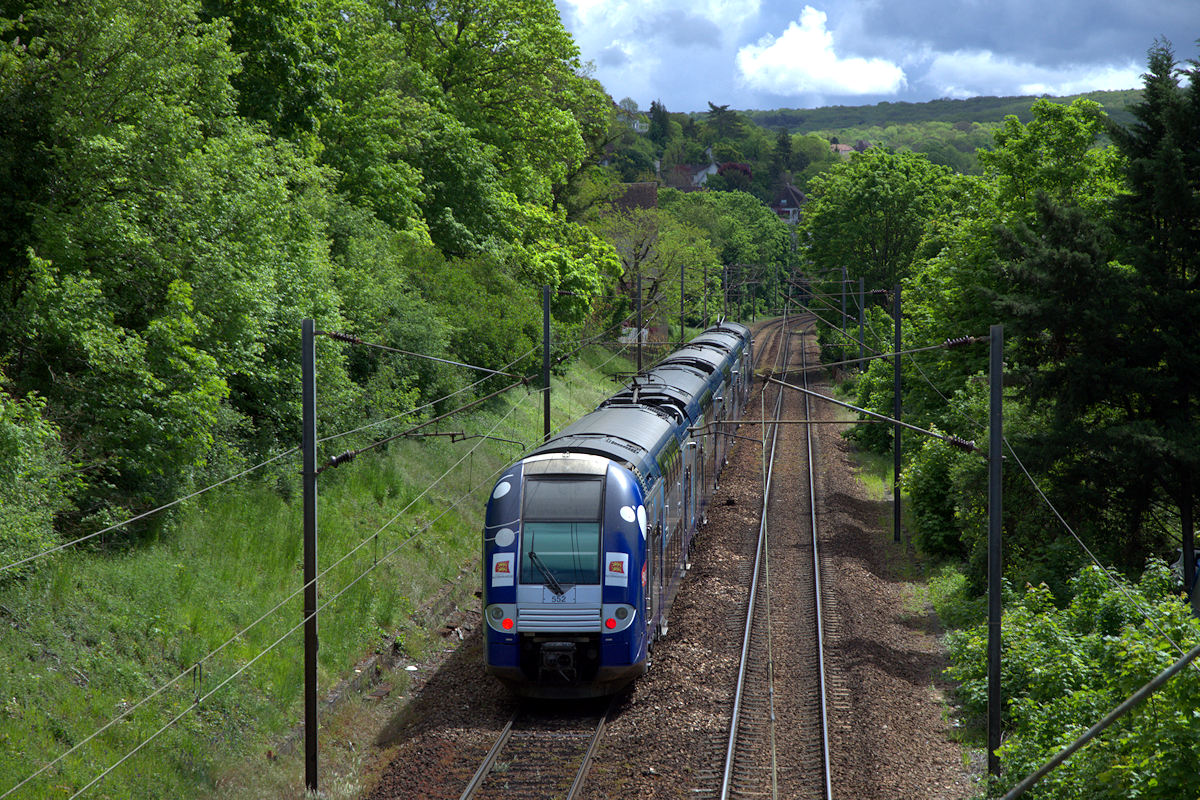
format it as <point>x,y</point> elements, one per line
<point>803,60</point>
<point>981,72</point>
<point>625,14</point>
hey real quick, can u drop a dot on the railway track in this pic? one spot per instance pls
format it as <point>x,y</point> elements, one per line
<point>543,752</point>
<point>783,618</point>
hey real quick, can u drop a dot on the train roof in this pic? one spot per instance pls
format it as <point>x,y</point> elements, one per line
<point>674,389</point>
<point>626,434</point>
<point>636,424</point>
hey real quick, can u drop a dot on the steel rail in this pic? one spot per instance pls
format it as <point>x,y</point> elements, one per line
<point>585,767</point>
<point>727,775</point>
<point>812,497</point>
<point>489,761</point>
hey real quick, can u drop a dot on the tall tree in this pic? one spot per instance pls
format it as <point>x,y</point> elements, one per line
<point>289,61</point>
<point>868,215</point>
<point>510,72</point>
<point>660,128</point>
<point>722,123</point>
<point>1160,223</point>
<point>1055,154</point>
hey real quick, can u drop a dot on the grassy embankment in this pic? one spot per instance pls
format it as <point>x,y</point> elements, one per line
<point>97,633</point>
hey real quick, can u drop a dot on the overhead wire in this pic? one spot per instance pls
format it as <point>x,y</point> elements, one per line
<point>1118,585</point>
<point>320,608</point>
<point>149,513</point>
<point>191,669</point>
<point>428,405</point>
<point>352,339</point>
<point>249,470</point>
<point>241,633</point>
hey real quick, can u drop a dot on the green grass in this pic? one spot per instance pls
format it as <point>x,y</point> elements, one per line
<point>95,632</point>
<point>875,472</point>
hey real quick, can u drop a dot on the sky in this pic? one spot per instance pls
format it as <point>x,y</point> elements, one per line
<point>762,54</point>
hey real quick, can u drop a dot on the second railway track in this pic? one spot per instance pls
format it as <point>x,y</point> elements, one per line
<point>778,742</point>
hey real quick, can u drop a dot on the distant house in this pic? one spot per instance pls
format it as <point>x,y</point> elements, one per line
<point>843,150</point>
<point>634,120</point>
<point>788,202</point>
<point>689,177</point>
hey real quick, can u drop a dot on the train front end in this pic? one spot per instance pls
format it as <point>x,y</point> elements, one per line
<point>564,577</point>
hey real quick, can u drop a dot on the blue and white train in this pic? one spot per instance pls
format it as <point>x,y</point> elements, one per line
<point>586,540</point>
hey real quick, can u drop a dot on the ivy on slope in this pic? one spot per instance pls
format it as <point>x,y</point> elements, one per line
<point>1063,669</point>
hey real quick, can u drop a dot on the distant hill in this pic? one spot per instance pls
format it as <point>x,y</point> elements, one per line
<point>972,110</point>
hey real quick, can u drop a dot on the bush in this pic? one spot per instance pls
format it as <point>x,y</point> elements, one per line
<point>33,481</point>
<point>1065,668</point>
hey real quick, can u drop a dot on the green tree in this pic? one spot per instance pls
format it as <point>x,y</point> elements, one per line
<point>1159,219</point>
<point>660,128</point>
<point>186,243</point>
<point>35,480</point>
<point>1065,668</point>
<point>289,61</point>
<point>510,72</point>
<point>1055,154</point>
<point>869,214</point>
<point>721,123</point>
<point>653,245</point>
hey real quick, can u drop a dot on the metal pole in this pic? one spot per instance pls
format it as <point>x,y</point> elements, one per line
<point>308,402</point>
<point>843,323</point>
<point>896,413</point>
<point>995,459</point>
<point>725,291</point>
<point>546,362</point>
<point>862,321</point>
<point>705,325</point>
<point>639,322</point>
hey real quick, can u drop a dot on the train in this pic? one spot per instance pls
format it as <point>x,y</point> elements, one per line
<point>587,539</point>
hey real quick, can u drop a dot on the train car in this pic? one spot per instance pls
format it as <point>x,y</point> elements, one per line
<point>586,539</point>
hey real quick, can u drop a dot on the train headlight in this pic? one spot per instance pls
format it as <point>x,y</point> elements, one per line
<point>501,617</point>
<point>616,617</point>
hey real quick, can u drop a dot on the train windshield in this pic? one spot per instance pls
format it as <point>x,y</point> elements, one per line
<point>562,527</point>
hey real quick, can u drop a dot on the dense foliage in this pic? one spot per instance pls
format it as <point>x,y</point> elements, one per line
<point>1066,668</point>
<point>184,182</point>
<point>1085,252</point>
<point>1080,237</point>
<point>965,111</point>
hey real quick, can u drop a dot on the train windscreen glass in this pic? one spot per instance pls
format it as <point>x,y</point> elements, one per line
<point>562,527</point>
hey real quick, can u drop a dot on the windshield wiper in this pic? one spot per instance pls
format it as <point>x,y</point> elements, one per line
<point>551,581</point>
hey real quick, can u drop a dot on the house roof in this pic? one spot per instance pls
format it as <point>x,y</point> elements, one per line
<point>789,196</point>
